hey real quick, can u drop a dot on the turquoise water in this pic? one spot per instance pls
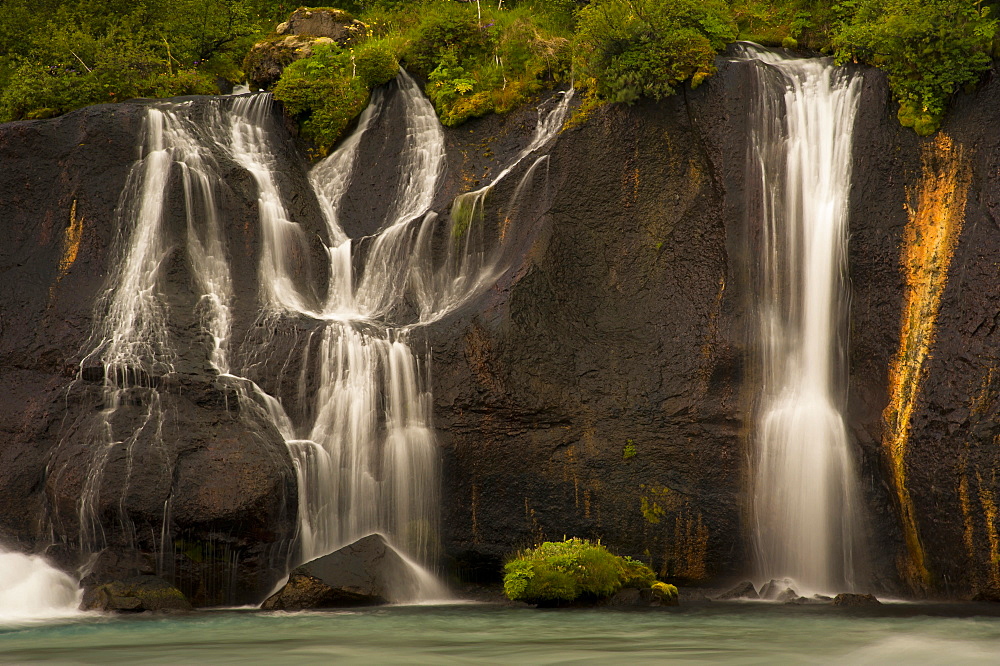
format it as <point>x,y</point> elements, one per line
<point>479,634</point>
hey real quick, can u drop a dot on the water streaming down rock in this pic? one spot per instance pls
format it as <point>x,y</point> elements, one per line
<point>805,495</point>
<point>368,461</point>
<point>364,448</point>
<point>132,339</point>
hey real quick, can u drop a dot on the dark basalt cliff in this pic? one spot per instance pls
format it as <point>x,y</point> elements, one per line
<point>601,389</point>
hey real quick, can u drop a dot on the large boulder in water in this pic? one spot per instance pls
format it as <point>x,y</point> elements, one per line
<point>367,572</point>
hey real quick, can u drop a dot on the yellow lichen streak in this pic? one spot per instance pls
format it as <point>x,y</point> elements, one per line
<point>936,214</point>
<point>988,501</point>
<point>70,246</point>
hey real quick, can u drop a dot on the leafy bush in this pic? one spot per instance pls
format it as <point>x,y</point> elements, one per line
<point>559,571</point>
<point>448,30</point>
<point>322,93</point>
<point>481,59</point>
<point>78,69</point>
<point>635,48</point>
<point>375,64</point>
<point>928,48</point>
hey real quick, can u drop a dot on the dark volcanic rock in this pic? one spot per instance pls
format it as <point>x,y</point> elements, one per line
<point>744,590</point>
<point>142,593</point>
<point>856,600</point>
<point>774,588</point>
<point>367,572</point>
<point>197,476</point>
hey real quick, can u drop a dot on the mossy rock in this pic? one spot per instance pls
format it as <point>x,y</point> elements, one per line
<point>563,572</point>
<point>336,24</point>
<point>141,593</point>
<point>295,39</point>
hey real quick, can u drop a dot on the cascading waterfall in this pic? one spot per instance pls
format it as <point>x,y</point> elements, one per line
<point>364,449</point>
<point>805,494</point>
<point>32,590</point>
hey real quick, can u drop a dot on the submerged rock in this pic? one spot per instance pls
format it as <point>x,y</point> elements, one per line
<point>367,572</point>
<point>856,600</point>
<point>141,593</point>
<point>744,590</point>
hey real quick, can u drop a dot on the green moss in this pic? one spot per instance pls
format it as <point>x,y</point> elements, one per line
<point>563,571</point>
<point>667,594</point>
<point>628,452</point>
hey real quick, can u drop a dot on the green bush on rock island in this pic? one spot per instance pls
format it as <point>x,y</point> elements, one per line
<point>574,569</point>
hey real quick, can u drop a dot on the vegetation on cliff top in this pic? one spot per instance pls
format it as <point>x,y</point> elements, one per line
<point>477,57</point>
<point>564,571</point>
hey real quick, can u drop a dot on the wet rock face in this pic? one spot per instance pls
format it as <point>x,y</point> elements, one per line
<point>596,391</point>
<point>189,447</point>
<point>601,389</point>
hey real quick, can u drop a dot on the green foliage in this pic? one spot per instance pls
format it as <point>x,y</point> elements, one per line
<point>928,48</point>
<point>323,93</point>
<point>628,452</point>
<point>563,571</point>
<point>375,64</point>
<point>57,55</point>
<point>666,593</point>
<point>636,48</point>
<point>481,58</point>
<point>790,23</point>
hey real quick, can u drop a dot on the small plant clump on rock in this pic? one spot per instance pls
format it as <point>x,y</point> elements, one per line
<point>564,571</point>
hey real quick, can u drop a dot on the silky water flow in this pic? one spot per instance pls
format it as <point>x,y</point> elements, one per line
<point>364,451</point>
<point>806,514</point>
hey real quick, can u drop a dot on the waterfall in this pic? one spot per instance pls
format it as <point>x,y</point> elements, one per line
<point>805,493</point>
<point>362,439</point>
<point>32,590</point>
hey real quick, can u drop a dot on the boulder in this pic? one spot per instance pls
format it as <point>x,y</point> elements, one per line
<point>774,588</point>
<point>744,590</point>
<point>295,39</point>
<point>367,572</point>
<point>657,596</point>
<point>856,600</point>
<point>133,595</point>
<point>336,24</point>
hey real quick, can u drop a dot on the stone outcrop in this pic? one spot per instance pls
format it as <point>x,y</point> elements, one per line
<point>295,39</point>
<point>367,572</point>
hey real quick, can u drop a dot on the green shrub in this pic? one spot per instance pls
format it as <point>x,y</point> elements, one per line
<point>928,48</point>
<point>667,594</point>
<point>375,64</point>
<point>562,571</point>
<point>322,93</point>
<point>448,30</point>
<point>646,48</point>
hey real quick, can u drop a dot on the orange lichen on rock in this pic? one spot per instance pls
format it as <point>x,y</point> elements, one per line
<point>72,236</point>
<point>988,501</point>
<point>935,224</point>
